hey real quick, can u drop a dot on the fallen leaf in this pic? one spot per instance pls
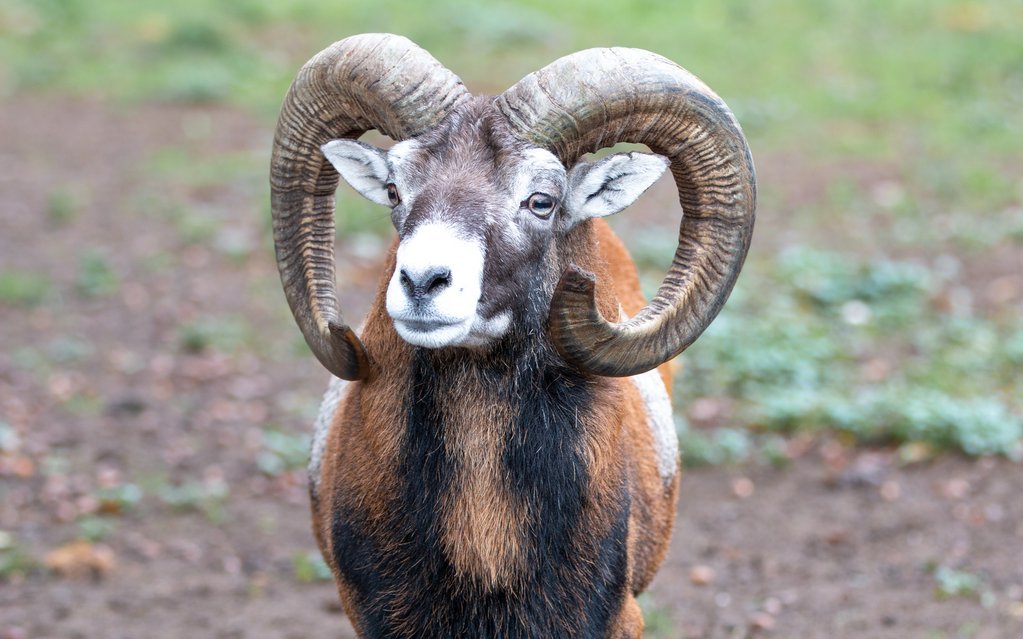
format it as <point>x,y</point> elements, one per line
<point>702,575</point>
<point>890,490</point>
<point>743,487</point>
<point>955,488</point>
<point>81,559</point>
<point>763,621</point>
<point>23,467</point>
<point>916,452</point>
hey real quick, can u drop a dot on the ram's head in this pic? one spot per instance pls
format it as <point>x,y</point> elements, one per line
<point>486,193</point>
<point>482,218</point>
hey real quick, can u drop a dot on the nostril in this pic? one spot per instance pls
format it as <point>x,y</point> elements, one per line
<point>438,281</point>
<point>426,285</point>
<point>407,284</point>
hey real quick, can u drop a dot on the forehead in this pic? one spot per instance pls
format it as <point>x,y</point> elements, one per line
<point>473,141</point>
<point>543,162</point>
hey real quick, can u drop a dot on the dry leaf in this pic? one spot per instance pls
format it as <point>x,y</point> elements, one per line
<point>702,575</point>
<point>81,559</point>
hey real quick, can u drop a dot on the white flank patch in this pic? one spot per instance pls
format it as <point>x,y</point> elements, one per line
<point>661,420</point>
<point>328,408</point>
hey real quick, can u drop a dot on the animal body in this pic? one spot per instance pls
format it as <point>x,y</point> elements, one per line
<point>501,461</point>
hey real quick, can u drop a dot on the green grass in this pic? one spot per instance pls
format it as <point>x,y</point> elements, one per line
<point>915,107</point>
<point>657,621</point>
<point>951,582</point>
<point>15,560</point>
<point>226,334</point>
<point>875,73</point>
<point>207,497</point>
<point>20,288</point>
<point>96,528</point>
<point>871,80</point>
<point>96,278</point>
<point>814,339</point>
<point>283,452</point>
<point>309,567</point>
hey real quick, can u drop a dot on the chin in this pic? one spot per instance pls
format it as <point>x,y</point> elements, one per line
<point>434,336</point>
<point>474,332</point>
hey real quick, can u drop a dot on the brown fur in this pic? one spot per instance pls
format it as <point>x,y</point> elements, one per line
<point>653,511</point>
<point>483,526</point>
<point>482,521</point>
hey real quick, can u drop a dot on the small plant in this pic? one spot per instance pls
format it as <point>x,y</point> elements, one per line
<point>60,206</point>
<point>19,288</point>
<point>723,446</point>
<point>820,340</point>
<point>15,561</point>
<point>656,619</point>
<point>283,452</point>
<point>773,451</point>
<point>70,349</point>
<point>96,528</point>
<point>220,333</point>
<point>10,442</point>
<point>96,278</point>
<point>197,227</point>
<point>309,567</point>
<point>119,499</point>
<point>960,583</point>
<point>207,497</point>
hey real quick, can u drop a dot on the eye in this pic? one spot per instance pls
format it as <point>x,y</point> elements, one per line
<point>392,194</point>
<point>540,204</point>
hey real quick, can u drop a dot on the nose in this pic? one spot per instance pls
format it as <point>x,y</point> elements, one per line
<point>420,287</point>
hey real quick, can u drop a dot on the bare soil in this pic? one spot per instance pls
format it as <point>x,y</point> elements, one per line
<point>107,387</point>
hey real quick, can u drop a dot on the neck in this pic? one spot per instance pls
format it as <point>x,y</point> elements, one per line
<point>505,483</point>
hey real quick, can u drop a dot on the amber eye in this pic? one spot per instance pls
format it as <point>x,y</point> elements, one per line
<point>541,204</point>
<point>392,194</point>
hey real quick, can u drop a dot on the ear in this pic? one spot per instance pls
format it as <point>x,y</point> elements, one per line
<point>605,187</point>
<point>361,165</point>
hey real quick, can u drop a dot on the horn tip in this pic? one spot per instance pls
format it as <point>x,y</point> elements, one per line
<point>577,280</point>
<point>347,357</point>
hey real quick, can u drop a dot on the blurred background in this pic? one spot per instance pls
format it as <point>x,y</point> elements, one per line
<point>851,423</point>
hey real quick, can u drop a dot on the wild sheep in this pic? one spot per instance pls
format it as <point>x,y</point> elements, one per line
<point>503,462</point>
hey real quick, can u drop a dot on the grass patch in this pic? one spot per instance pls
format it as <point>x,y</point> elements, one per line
<point>950,583</point>
<point>887,350</point>
<point>15,561</point>
<point>206,497</point>
<point>227,334</point>
<point>283,452</point>
<point>858,77</point>
<point>96,528</point>
<point>309,567</point>
<point>21,288</point>
<point>96,278</point>
<point>657,621</point>
<point>817,340</point>
<point>61,207</point>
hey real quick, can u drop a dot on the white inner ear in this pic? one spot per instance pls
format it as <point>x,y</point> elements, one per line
<point>609,185</point>
<point>361,165</point>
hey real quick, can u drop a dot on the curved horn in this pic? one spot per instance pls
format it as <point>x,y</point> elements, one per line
<point>600,97</point>
<point>372,81</point>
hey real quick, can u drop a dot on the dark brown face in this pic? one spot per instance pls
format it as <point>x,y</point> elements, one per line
<point>479,214</point>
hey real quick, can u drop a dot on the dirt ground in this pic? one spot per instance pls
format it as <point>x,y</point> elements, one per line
<point>103,384</point>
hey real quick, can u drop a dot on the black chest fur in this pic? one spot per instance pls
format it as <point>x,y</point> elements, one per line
<point>576,578</point>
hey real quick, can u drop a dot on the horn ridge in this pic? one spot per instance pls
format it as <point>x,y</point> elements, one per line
<point>369,81</point>
<point>600,97</point>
